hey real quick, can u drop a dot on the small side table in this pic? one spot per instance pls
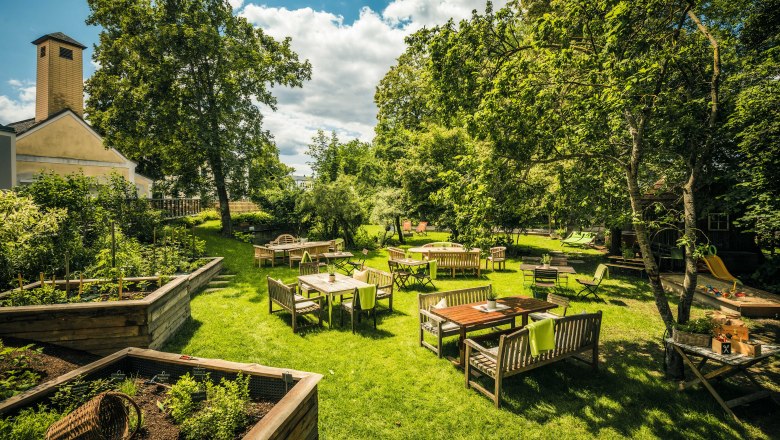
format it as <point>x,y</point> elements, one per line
<point>732,364</point>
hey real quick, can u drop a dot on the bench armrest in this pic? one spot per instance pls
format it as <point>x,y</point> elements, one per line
<point>475,346</point>
<point>431,316</point>
<point>318,299</point>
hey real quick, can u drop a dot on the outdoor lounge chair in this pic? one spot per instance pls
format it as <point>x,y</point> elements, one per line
<point>584,239</point>
<point>572,238</point>
<point>406,228</point>
<point>359,261</point>
<point>497,255</point>
<point>591,286</point>
<point>422,228</point>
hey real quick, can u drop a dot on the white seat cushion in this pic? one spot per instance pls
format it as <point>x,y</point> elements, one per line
<point>360,275</point>
<point>382,293</point>
<point>304,305</point>
<point>538,316</point>
<point>446,327</point>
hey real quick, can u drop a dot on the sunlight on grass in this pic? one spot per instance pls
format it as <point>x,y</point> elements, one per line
<point>382,384</point>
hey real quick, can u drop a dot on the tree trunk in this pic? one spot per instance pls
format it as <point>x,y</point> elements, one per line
<point>398,228</point>
<point>617,238</point>
<point>689,283</point>
<point>222,195</point>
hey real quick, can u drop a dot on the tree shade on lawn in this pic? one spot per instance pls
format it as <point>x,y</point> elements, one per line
<point>400,390</point>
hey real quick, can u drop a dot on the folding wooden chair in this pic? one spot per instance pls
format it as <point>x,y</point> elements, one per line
<point>591,286</point>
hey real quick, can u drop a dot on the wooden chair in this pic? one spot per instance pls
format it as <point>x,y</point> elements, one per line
<point>422,228</point>
<point>263,254</point>
<point>423,276</point>
<point>574,335</point>
<point>396,253</point>
<point>359,261</point>
<point>591,286</point>
<point>308,268</point>
<point>497,255</point>
<point>561,261</point>
<point>296,255</point>
<point>528,275</point>
<point>384,285</point>
<point>284,295</point>
<point>336,245</point>
<point>400,276</point>
<point>354,309</point>
<point>560,301</point>
<point>545,278</point>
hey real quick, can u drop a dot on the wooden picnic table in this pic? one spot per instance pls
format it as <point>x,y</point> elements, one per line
<point>560,269</point>
<point>319,282</point>
<point>467,316</point>
<point>733,364</point>
<point>291,246</point>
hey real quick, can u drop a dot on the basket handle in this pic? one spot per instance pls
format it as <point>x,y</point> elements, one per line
<point>137,411</point>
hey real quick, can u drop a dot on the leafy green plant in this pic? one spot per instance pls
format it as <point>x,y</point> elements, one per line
<point>220,416</point>
<point>28,424</point>
<point>16,374</point>
<point>256,218</point>
<point>245,237</point>
<point>546,259</point>
<point>73,394</point>
<point>46,294</point>
<point>701,325</point>
<point>492,295</point>
<point>128,387</point>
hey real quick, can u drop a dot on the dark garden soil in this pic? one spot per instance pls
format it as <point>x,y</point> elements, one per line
<point>53,361</point>
<point>158,425</point>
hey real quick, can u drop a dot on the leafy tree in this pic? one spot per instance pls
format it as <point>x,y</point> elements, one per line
<point>334,207</point>
<point>178,85</point>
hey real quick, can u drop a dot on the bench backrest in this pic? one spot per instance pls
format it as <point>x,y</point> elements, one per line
<point>337,244</point>
<point>381,278</point>
<point>283,294</point>
<point>442,244</point>
<point>285,239</point>
<point>572,334</point>
<point>498,252</point>
<point>396,253</point>
<point>559,261</point>
<point>315,251</point>
<point>456,260</point>
<point>454,297</point>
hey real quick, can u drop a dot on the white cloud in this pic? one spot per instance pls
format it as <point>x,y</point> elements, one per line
<point>20,107</point>
<point>236,3</point>
<point>348,61</point>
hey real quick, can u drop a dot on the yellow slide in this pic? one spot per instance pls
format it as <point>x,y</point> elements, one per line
<point>718,269</point>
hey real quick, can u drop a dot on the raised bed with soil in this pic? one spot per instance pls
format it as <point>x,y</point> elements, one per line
<point>106,326</point>
<point>284,402</point>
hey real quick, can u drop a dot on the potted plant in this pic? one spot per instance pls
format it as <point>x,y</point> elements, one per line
<point>331,273</point>
<point>491,300</point>
<point>696,332</point>
<point>546,259</point>
<point>628,253</point>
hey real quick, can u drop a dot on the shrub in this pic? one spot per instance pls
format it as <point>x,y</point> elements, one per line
<point>365,240</point>
<point>256,218</point>
<point>701,325</point>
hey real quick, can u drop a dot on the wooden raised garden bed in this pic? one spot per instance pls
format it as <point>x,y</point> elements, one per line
<point>294,413</point>
<point>105,327</point>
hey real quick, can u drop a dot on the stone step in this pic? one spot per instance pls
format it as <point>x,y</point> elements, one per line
<point>211,290</point>
<point>214,283</point>
<point>223,277</point>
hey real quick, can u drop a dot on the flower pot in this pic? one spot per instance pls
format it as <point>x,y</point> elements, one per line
<point>491,304</point>
<point>332,278</point>
<point>545,266</point>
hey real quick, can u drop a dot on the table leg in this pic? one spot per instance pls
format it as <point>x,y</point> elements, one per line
<point>330,310</point>
<point>462,345</point>
<point>524,321</point>
<point>706,384</point>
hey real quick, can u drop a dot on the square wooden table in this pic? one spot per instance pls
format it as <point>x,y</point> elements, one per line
<point>408,264</point>
<point>732,364</point>
<point>468,317</point>
<point>319,282</point>
<point>339,258</point>
<point>560,269</point>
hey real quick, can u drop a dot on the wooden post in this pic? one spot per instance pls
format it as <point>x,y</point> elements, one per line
<point>42,279</point>
<point>120,285</point>
<point>81,283</point>
<point>21,286</point>
<point>67,276</point>
<point>159,280</point>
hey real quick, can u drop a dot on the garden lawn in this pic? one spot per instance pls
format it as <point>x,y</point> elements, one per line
<point>382,384</point>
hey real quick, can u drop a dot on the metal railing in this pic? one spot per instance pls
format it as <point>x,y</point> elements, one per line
<point>175,208</point>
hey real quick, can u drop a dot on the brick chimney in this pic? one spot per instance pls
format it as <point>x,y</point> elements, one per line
<point>60,82</point>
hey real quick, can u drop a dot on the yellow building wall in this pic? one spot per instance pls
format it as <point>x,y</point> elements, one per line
<point>68,138</point>
<point>27,170</point>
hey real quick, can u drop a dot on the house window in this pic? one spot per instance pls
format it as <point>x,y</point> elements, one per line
<point>718,221</point>
<point>43,51</point>
<point>66,53</point>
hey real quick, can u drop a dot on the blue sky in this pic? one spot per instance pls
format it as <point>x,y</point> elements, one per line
<point>350,43</point>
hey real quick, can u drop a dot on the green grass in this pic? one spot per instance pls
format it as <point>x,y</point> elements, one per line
<point>382,384</point>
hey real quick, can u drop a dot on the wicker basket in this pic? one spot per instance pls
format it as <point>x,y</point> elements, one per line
<point>695,339</point>
<point>105,417</point>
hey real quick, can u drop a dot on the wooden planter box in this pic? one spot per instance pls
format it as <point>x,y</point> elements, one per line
<point>295,414</point>
<point>105,327</point>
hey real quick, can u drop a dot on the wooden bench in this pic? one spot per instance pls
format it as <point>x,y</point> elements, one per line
<point>574,335</point>
<point>444,244</point>
<point>284,239</point>
<point>453,261</point>
<point>635,267</point>
<point>441,328</point>
<point>284,295</point>
<point>263,254</point>
<point>384,285</point>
